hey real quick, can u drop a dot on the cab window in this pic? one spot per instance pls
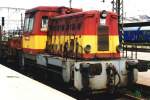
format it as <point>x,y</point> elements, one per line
<point>31,20</point>
<point>44,24</point>
<point>28,26</point>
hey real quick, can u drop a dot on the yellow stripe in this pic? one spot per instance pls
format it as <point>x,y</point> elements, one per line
<point>34,41</point>
<point>86,40</point>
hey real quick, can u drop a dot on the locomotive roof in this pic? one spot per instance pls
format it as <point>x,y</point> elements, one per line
<point>76,14</point>
<point>41,8</point>
<point>49,9</point>
<point>90,13</point>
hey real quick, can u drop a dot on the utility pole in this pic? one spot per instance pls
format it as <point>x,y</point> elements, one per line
<point>13,8</point>
<point>0,33</point>
<point>117,7</point>
<point>103,0</point>
<point>21,22</point>
<point>8,17</point>
<point>70,3</point>
<point>1,27</point>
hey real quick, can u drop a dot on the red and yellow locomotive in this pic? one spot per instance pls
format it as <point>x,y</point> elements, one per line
<point>82,47</point>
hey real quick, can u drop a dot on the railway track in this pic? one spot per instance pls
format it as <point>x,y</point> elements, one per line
<point>128,96</point>
<point>138,92</point>
<point>131,97</point>
<point>145,90</point>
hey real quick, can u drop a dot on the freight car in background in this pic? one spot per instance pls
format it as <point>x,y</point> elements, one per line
<point>81,47</point>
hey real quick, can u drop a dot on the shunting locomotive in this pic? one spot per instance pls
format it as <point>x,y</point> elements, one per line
<point>80,46</point>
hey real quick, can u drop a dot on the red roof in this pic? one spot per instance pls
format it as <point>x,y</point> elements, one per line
<point>91,12</point>
<point>50,9</point>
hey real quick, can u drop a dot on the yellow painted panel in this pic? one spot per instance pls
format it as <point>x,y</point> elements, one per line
<point>114,42</point>
<point>87,40</point>
<point>34,41</point>
<point>92,40</point>
<point>60,40</point>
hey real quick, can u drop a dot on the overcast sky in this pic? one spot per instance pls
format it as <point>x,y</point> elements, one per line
<point>131,7</point>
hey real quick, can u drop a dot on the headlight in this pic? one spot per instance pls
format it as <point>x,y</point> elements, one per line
<point>87,49</point>
<point>103,14</point>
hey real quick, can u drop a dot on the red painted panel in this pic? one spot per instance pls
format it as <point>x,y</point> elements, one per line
<point>15,43</point>
<point>112,22</point>
<point>101,55</point>
<point>46,11</point>
<point>85,23</point>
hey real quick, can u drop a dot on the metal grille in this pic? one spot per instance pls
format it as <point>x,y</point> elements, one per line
<point>103,38</point>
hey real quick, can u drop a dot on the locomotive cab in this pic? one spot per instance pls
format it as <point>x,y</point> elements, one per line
<point>36,27</point>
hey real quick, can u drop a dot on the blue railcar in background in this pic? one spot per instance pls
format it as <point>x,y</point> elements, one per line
<point>136,34</point>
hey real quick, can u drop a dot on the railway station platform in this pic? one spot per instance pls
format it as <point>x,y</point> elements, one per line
<point>15,86</point>
<point>144,78</point>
